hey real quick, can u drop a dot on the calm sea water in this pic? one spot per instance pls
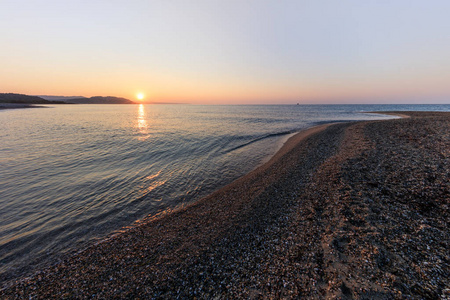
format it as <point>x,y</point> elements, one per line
<point>73,174</point>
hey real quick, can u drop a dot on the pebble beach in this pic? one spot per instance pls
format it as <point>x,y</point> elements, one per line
<point>343,211</point>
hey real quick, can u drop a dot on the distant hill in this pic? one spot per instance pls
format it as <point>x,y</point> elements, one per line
<point>20,98</point>
<point>100,100</point>
<point>25,99</point>
<point>60,98</point>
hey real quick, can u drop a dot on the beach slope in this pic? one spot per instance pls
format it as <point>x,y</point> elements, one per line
<point>354,210</point>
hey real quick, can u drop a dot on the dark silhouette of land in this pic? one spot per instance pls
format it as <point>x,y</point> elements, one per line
<point>60,98</point>
<point>100,100</point>
<point>24,101</point>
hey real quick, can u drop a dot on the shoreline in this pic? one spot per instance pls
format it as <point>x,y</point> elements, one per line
<point>275,232</point>
<point>286,146</point>
<point>389,113</point>
<point>291,141</point>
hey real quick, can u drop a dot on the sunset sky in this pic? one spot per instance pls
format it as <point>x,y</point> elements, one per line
<point>226,52</point>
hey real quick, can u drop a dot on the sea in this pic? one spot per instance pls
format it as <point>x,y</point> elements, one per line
<point>72,175</point>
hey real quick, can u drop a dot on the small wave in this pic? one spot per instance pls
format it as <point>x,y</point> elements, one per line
<point>267,136</point>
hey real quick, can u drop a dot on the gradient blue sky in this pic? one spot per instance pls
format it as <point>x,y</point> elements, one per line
<point>346,51</point>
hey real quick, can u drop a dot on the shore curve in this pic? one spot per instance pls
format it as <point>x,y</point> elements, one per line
<point>328,216</point>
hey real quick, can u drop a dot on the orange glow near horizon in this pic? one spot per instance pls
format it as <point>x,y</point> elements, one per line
<point>244,90</point>
<point>324,93</point>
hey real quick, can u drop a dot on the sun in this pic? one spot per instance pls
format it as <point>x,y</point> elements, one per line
<point>140,96</point>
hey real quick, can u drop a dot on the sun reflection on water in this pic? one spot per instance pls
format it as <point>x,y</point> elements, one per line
<point>142,123</point>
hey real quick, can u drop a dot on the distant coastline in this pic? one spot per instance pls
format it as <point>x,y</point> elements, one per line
<point>27,101</point>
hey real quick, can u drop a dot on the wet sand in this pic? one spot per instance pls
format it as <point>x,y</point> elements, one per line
<point>355,210</point>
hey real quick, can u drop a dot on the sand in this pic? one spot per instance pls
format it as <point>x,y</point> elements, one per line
<point>355,210</point>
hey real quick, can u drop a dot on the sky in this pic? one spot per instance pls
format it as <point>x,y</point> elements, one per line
<point>229,52</point>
